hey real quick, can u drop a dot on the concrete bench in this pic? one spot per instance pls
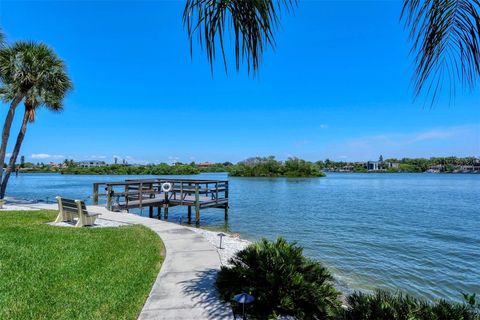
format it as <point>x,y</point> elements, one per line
<point>68,209</point>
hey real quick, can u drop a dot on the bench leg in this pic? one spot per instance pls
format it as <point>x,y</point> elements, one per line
<point>80,221</point>
<point>84,220</point>
<point>90,220</point>
<point>64,216</point>
<point>93,220</point>
<point>59,217</point>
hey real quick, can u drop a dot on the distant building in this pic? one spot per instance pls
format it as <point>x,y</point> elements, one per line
<point>90,163</point>
<point>205,164</point>
<point>470,168</point>
<point>391,165</point>
<point>56,165</point>
<point>372,165</point>
<point>437,168</point>
<point>381,165</point>
<point>347,168</point>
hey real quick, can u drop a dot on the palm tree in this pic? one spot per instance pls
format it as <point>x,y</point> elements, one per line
<point>52,101</point>
<point>30,72</point>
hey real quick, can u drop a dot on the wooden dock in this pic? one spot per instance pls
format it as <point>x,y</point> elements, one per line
<point>142,193</point>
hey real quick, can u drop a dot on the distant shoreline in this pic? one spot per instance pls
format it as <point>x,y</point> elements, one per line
<point>397,172</point>
<point>212,172</point>
<point>262,167</point>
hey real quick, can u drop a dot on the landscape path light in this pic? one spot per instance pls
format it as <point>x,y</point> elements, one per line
<point>221,235</point>
<point>243,298</point>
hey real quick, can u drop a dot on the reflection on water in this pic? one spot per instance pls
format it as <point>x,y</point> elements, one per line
<point>419,233</point>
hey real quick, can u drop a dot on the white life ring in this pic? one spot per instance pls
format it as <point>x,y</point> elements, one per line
<point>167,187</point>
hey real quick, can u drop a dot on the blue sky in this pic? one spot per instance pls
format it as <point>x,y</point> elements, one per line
<point>337,86</point>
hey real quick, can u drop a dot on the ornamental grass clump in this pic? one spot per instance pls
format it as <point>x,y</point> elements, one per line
<point>282,280</point>
<point>384,305</point>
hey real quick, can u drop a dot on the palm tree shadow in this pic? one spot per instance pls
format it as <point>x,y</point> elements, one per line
<point>204,294</point>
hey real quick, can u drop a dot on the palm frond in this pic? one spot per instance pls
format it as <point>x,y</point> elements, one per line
<point>33,69</point>
<point>253,22</point>
<point>2,38</point>
<point>445,38</point>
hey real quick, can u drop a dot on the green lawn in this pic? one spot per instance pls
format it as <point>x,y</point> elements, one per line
<point>50,272</point>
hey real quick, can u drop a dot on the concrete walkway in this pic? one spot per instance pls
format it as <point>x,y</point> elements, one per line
<point>184,288</point>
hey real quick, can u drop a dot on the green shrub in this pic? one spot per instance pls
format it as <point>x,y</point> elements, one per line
<point>122,169</point>
<point>281,279</point>
<point>269,167</point>
<point>409,168</point>
<point>384,305</point>
<point>286,283</point>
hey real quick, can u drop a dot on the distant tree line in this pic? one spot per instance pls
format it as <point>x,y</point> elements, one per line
<point>123,169</point>
<point>251,167</point>
<point>448,164</point>
<point>259,167</point>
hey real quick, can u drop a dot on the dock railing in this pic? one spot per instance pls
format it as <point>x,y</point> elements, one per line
<point>148,193</point>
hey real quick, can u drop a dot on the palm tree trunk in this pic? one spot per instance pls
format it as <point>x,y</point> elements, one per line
<point>15,152</point>
<point>6,132</point>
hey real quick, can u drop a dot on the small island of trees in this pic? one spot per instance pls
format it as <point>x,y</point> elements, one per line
<point>270,167</point>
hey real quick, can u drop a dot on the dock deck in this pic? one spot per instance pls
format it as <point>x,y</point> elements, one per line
<point>141,193</point>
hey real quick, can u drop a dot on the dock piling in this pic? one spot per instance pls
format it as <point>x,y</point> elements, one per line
<point>165,211</point>
<point>197,204</point>
<point>109,198</point>
<point>95,194</point>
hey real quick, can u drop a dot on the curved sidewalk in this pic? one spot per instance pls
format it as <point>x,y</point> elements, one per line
<point>184,288</point>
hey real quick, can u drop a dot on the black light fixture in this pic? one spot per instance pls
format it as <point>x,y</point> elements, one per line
<point>243,299</point>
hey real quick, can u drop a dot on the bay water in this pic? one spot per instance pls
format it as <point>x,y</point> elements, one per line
<point>416,233</point>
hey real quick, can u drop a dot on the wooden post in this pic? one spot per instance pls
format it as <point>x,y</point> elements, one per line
<point>226,197</point>
<point>109,198</point>
<point>197,204</point>
<point>140,195</point>
<point>226,190</point>
<point>165,213</point>
<point>189,214</point>
<point>165,205</point>
<point>95,194</point>
<point>159,212</point>
<point>181,192</point>
<point>150,211</point>
<point>126,196</point>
